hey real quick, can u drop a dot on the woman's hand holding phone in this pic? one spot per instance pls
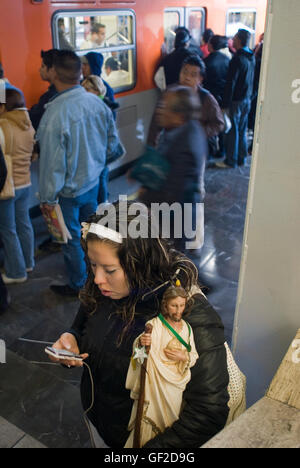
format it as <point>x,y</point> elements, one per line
<point>68,342</point>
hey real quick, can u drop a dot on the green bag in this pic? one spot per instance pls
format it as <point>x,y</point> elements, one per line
<point>151,169</point>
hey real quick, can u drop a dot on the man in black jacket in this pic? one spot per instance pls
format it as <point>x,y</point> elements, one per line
<point>237,99</point>
<point>37,111</point>
<point>3,291</point>
<point>170,66</point>
<point>217,65</point>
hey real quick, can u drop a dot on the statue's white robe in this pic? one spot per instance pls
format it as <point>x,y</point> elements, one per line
<point>165,383</point>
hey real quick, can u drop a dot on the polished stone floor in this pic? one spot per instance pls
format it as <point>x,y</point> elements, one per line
<point>39,400</point>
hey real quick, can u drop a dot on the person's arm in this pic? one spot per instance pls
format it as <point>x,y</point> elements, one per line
<point>160,79</point>
<point>53,163</point>
<point>232,76</point>
<point>3,170</point>
<point>37,111</point>
<point>71,340</point>
<point>205,399</point>
<point>79,324</point>
<point>213,120</point>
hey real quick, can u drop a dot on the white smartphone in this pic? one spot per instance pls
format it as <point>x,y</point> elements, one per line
<point>62,354</point>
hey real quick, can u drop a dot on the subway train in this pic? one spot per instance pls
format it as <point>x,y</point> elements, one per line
<point>132,34</point>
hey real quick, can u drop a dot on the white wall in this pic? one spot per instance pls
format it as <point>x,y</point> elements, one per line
<point>268,306</point>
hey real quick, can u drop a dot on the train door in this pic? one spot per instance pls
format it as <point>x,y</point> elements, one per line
<point>173,18</point>
<point>193,18</point>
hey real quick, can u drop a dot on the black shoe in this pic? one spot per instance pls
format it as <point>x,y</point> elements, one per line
<point>49,246</point>
<point>211,165</point>
<point>64,290</point>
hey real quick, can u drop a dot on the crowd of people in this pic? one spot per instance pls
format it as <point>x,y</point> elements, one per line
<point>229,75</point>
<point>72,130</point>
<point>121,280</point>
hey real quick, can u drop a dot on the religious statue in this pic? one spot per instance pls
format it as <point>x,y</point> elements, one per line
<point>171,354</point>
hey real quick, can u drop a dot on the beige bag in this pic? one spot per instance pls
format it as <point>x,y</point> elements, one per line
<point>236,388</point>
<point>8,190</point>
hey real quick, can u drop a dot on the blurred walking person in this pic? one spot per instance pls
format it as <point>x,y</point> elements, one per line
<point>183,145</point>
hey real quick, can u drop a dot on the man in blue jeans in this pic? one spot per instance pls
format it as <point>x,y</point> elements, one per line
<point>237,100</point>
<point>76,135</point>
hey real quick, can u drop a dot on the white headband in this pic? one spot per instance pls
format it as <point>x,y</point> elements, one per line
<point>101,231</point>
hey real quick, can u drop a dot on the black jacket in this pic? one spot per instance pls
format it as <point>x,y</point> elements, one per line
<point>172,64</point>
<point>3,170</point>
<point>239,84</point>
<point>217,65</point>
<point>205,408</point>
<point>37,111</point>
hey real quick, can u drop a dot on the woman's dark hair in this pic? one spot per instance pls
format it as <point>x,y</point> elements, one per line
<point>14,100</point>
<point>48,56</point>
<point>147,263</point>
<point>182,37</point>
<point>218,42</point>
<point>207,35</point>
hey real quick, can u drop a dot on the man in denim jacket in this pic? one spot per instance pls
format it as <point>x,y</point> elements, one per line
<point>77,134</point>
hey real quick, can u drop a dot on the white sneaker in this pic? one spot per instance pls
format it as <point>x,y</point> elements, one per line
<point>7,280</point>
<point>29,270</point>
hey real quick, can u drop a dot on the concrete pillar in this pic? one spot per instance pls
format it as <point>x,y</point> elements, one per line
<point>268,305</point>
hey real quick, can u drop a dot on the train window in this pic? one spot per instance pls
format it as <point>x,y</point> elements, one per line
<point>173,18</point>
<point>195,22</point>
<point>112,33</point>
<point>241,19</point>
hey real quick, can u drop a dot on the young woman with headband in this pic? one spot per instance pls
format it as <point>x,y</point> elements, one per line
<point>127,278</point>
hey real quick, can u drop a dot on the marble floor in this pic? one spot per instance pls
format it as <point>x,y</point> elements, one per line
<point>41,400</point>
